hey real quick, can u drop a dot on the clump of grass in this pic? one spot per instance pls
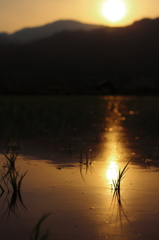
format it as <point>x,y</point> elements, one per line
<point>10,161</point>
<point>12,182</point>
<point>88,158</point>
<point>117,182</point>
<point>11,172</point>
<point>36,230</point>
<point>86,161</point>
<point>13,179</point>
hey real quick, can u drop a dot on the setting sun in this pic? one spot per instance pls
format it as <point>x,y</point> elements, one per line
<point>114,10</point>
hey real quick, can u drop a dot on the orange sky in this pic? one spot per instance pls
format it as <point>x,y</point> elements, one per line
<point>17,14</point>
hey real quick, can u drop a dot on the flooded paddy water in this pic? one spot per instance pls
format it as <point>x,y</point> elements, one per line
<point>72,149</point>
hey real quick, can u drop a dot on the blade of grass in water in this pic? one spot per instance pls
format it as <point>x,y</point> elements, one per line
<point>15,183</point>
<point>11,159</point>
<point>117,183</point>
<point>36,231</point>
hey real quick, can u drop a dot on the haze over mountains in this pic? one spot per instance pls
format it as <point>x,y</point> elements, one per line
<point>75,58</point>
<point>36,33</point>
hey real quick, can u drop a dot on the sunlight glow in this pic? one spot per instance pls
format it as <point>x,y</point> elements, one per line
<point>112,172</point>
<point>114,10</point>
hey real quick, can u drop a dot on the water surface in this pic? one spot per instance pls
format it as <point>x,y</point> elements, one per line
<point>105,132</point>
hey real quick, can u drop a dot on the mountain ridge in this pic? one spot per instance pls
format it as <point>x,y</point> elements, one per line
<point>32,34</point>
<point>78,61</point>
<point>35,33</point>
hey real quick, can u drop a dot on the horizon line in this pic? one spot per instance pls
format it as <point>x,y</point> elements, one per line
<point>45,24</point>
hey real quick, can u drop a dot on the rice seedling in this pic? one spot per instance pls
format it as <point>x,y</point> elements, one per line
<point>89,157</point>
<point>117,182</point>
<point>36,230</point>
<point>86,161</point>
<point>15,180</point>
<point>12,179</point>
<point>10,164</point>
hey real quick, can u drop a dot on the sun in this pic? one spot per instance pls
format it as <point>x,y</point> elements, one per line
<point>114,10</point>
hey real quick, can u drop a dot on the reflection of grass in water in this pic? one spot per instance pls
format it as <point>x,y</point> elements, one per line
<point>10,163</point>
<point>121,213</point>
<point>118,212</point>
<point>13,203</point>
<point>12,177</point>
<point>88,158</point>
<point>86,161</point>
<point>2,190</point>
<point>12,181</point>
<point>117,182</point>
<point>36,230</point>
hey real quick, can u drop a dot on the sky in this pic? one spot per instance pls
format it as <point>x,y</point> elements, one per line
<point>18,14</point>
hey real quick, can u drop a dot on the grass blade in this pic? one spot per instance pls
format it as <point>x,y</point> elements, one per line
<point>36,230</point>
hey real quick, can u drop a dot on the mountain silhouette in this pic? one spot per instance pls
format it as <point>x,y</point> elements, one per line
<point>5,39</point>
<point>35,33</point>
<point>120,60</point>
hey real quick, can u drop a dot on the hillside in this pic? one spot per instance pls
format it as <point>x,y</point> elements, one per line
<point>102,61</point>
<point>35,33</point>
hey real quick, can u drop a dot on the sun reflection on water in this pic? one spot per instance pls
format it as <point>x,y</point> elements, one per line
<point>114,133</point>
<point>112,172</point>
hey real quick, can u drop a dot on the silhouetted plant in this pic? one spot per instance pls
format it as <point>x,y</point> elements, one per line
<point>86,161</point>
<point>13,203</point>
<point>14,181</point>
<point>11,177</point>
<point>10,164</point>
<point>118,212</point>
<point>36,230</point>
<point>2,190</point>
<point>117,182</point>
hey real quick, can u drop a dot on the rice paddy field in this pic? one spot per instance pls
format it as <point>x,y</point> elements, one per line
<point>79,167</point>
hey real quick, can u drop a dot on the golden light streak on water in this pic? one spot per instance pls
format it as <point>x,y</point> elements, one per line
<point>112,172</point>
<point>114,131</point>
